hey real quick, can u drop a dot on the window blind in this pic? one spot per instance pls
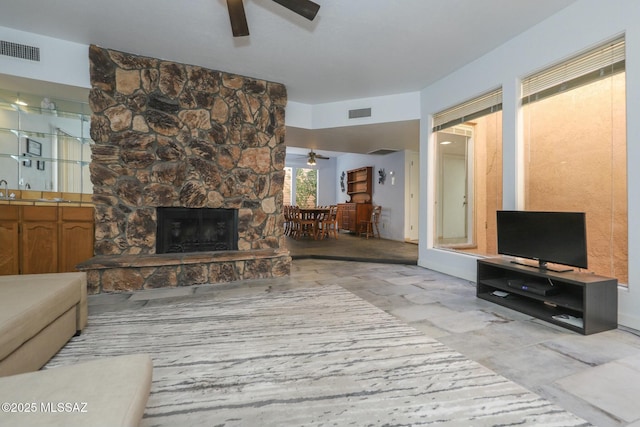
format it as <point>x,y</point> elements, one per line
<point>597,63</point>
<point>482,105</point>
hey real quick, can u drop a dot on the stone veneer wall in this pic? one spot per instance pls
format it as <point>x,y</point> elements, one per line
<point>169,134</point>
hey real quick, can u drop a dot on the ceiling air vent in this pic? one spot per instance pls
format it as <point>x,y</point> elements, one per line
<point>359,113</point>
<point>382,151</point>
<point>17,50</point>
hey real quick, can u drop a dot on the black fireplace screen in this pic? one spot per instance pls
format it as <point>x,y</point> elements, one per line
<point>196,230</point>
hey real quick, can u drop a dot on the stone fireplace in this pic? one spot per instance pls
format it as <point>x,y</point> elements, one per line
<point>170,135</point>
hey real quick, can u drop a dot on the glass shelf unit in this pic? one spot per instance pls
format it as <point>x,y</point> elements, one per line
<point>44,143</point>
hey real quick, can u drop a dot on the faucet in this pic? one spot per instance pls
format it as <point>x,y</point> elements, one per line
<point>6,184</point>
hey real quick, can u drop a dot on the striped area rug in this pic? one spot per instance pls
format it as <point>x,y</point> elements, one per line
<point>316,356</point>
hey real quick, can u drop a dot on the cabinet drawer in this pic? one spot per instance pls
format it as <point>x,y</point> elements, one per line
<point>9,213</point>
<point>77,214</point>
<point>39,213</point>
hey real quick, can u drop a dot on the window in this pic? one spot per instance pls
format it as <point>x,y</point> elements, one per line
<point>306,187</point>
<point>468,141</point>
<point>303,190</point>
<point>575,149</point>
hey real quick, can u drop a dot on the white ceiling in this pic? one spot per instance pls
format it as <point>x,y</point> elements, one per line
<point>353,49</point>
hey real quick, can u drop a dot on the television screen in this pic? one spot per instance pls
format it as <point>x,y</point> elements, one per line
<point>555,237</point>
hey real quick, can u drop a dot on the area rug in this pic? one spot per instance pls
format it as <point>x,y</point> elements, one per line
<point>317,356</point>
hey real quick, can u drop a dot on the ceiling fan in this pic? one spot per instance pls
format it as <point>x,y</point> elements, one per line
<point>239,27</point>
<point>311,160</point>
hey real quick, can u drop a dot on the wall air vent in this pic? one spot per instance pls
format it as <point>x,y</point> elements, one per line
<point>17,50</point>
<point>359,113</point>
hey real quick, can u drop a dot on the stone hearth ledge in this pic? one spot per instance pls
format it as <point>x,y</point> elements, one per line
<point>120,273</point>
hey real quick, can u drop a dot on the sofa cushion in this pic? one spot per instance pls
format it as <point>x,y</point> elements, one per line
<point>36,352</point>
<point>103,392</point>
<point>28,303</point>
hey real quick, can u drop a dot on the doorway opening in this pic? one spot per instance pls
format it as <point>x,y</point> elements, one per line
<point>454,224</point>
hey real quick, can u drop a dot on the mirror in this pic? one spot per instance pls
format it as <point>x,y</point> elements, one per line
<point>44,143</point>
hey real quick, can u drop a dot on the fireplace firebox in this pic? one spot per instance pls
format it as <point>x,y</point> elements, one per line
<point>196,230</point>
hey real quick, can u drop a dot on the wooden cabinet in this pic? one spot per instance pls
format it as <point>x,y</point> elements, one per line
<point>76,237</point>
<point>39,240</point>
<point>359,207</point>
<point>44,239</point>
<point>9,240</point>
<point>346,216</point>
<point>352,213</point>
<point>581,302</point>
<point>359,185</point>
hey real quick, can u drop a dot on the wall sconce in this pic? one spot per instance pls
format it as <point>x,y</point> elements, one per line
<point>393,178</point>
<point>382,176</point>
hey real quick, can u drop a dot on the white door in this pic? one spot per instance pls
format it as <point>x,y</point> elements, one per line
<point>454,198</point>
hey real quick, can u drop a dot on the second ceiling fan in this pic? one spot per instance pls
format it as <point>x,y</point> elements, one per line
<point>312,156</point>
<point>239,26</point>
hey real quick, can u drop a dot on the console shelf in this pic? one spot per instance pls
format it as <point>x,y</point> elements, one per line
<point>591,301</point>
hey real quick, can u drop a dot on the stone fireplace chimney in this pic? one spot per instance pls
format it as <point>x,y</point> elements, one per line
<point>174,135</point>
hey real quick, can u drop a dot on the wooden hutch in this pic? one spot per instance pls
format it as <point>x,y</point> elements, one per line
<point>359,207</point>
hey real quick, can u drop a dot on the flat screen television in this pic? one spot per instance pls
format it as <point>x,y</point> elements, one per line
<point>548,237</point>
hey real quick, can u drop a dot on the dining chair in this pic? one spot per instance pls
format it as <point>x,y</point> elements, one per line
<point>329,223</point>
<point>288,226</point>
<point>370,227</point>
<point>303,226</point>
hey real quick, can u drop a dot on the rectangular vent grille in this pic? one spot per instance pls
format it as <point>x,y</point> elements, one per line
<point>21,51</point>
<point>382,151</point>
<point>362,112</point>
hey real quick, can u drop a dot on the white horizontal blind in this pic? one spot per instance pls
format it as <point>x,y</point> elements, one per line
<point>482,105</point>
<point>595,64</point>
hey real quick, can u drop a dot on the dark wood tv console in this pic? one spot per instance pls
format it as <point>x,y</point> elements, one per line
<point>585,296</point>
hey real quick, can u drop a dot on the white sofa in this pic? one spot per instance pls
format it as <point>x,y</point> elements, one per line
<point>39,314</point>
<point>108,392</point>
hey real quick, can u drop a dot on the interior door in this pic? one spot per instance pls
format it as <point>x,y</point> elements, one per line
<point>454,198</point>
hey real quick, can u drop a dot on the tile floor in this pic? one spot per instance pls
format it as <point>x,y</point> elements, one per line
<point>597,377</point>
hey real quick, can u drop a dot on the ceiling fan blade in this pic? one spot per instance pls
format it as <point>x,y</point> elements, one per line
<point>314,155</point>
<point>238,19</point>
<point>305,8</point>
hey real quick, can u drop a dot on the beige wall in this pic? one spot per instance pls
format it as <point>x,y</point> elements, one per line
<point>575,160</point>
<point>488,180</point>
